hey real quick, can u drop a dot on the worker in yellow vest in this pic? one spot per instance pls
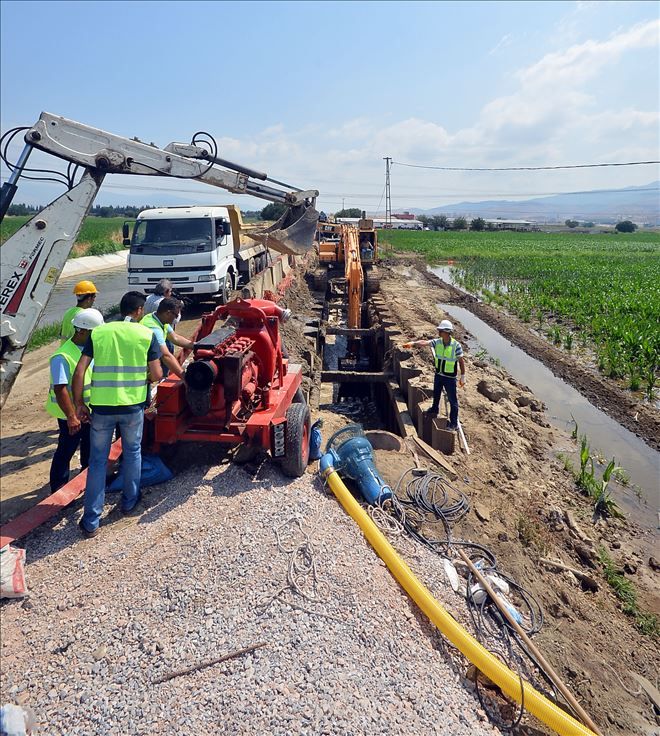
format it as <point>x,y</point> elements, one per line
<point>85,292</point>
<point>447,358</point>
<point>72,432</point>
<point>126,357</point>
<point>161,323</point>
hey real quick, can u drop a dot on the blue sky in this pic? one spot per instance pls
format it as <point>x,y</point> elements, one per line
<point>317,93</point>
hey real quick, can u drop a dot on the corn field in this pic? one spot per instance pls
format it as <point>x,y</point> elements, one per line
<point>595,292</point>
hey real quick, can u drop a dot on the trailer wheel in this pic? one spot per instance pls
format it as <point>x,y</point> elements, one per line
<point>296,447</point>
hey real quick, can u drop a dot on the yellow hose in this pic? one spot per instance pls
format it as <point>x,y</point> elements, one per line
<point>508,681</point>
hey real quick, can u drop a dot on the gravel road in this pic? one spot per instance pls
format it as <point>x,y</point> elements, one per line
<point>191,579</point>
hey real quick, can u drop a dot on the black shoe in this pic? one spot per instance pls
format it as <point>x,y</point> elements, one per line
<point>432,412</point>
<point>85,532</point>
<point>452,428</point>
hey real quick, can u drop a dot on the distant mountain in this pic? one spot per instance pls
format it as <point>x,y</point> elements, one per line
<point>640,204</point>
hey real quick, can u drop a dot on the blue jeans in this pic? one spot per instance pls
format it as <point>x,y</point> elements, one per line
<point>103,426</point>
<point>448,383</point>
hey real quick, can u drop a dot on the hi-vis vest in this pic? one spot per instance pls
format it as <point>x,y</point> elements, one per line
<point>119,374</point>
<point>150,320</point>
<point>445,357</point>
<point>71,353</point>
<point>67,330</point>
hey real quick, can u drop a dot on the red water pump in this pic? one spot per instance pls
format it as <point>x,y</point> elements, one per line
<point>239,388</point>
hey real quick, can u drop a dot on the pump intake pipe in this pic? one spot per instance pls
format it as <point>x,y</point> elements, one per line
<point>510,682</point>
<point>352,454</point>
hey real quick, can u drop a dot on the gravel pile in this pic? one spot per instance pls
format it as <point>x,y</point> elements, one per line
<point>203,572</point>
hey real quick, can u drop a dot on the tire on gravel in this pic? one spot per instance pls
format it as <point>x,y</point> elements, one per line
<point>296,440</point>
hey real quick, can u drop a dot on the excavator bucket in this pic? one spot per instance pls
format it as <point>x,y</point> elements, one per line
<point>293,233</point>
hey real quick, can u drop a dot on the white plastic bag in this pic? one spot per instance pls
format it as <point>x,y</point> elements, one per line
<point>15,721</point>
<point>12,572</point>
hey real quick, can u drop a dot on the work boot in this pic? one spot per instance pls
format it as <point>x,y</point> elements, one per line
<point>432,412</point>
<point>85,532</point>
<point>452,428</point>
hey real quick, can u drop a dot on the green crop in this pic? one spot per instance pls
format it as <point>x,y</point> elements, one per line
<point>97,236</point>
<point>605,288</point>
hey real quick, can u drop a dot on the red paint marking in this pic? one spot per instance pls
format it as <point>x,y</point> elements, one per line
<point>49,506</point>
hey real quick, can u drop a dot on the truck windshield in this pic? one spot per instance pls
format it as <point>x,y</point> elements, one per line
<point>192,235</point>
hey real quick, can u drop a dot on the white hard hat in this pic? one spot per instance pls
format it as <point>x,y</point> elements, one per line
<point>87,319</point>
<point>446,326</point>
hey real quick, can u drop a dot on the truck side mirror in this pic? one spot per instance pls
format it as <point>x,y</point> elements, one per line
<point>226,227</point>
<point>125,232</point>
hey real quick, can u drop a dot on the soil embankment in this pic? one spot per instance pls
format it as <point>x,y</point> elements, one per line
<point>640,417</point>
<point>183,581</point>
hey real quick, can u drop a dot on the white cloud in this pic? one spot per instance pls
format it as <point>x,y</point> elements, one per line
<point>583,61</point>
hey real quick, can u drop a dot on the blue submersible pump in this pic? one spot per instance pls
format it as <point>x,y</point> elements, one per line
<point>351,455</point>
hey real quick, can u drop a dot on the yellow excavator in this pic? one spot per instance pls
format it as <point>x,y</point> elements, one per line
<point>334,240</point>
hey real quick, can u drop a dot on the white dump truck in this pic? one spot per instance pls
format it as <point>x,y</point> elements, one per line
<point>205,251</point>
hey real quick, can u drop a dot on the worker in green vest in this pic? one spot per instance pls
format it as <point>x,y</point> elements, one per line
<point>160,322</point>
<point>447,359</point>
<point>126,357</point>
<point>72,432</point>
<point>85,292</point>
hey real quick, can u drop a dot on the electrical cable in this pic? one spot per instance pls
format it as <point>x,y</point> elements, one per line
<point>421,499</point>
<point>524,168</point>
<point>4,145</point>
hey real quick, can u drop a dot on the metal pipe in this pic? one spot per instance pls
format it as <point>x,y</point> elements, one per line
<point>238,167</point>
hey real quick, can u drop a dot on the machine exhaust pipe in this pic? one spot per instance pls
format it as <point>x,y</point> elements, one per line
<point>199,378</point>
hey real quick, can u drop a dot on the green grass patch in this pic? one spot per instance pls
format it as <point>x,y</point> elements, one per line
<point>51,332</point>
<point>98,235</point>
<point>646,623</point>
<point>602,287</point>
<point>44,335</point>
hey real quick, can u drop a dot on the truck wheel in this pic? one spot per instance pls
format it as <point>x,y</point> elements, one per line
<point>227,288</point>
<point>296,440</point>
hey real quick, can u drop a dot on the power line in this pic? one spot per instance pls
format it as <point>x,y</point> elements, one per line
<point>525,168</point>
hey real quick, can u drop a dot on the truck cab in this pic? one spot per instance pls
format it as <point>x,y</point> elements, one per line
<point>202,250</point>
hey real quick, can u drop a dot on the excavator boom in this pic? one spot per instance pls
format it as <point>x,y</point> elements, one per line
<point>32,259</point>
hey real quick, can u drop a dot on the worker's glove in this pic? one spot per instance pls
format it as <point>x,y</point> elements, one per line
<point>407,344</point>
<point>461,381</point>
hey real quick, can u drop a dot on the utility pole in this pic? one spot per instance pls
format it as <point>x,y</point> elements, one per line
<point>388,194</point>
<point>343,206</point>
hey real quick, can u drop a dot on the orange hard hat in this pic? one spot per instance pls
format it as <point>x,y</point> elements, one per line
<point>85,287</point>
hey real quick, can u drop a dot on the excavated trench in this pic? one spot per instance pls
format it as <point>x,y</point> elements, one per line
<point>364,377</point>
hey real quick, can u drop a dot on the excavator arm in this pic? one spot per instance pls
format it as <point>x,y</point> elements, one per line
<point>32,259</point>
<point>354,275</point>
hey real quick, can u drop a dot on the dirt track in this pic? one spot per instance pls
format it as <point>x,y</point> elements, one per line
<point>520,490</point>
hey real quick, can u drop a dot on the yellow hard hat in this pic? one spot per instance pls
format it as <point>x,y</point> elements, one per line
<point>85,287</point>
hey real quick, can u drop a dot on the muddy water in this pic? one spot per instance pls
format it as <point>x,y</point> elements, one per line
<point>565,403</point>
<point>112,285</point>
